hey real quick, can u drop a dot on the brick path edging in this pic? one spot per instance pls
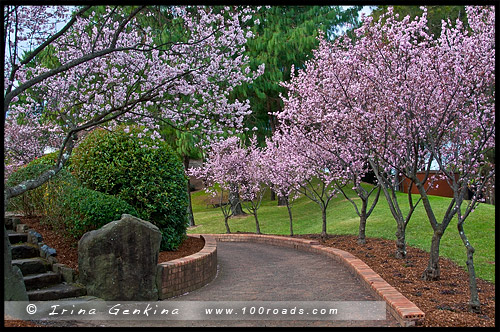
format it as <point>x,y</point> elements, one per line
<point>402,309</point>
<point>182,275</point>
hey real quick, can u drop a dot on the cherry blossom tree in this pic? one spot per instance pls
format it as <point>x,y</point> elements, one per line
<point>106,68</point>
<point>343,97</point>
<point>448,105</point>
<point>363,212</point>
<point>283,177</point>
<point>222,170</point>
<point>443,97</point>
<point>462,131</point>
<point>393,66</point>
<point>110,70</point>
<point>312,112</point>
<point>413,101</point>
<point>253,184</point>
<point>229,166</point>
<point>319,174</point>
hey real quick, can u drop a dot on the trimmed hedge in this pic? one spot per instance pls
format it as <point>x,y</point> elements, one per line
<point>85,209</point>
<point>145,173</point>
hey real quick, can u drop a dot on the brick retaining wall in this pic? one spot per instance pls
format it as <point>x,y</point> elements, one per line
<point>405,311</point>
<point>186,274</point>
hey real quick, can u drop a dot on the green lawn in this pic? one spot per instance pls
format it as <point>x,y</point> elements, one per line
<point>342,219</point>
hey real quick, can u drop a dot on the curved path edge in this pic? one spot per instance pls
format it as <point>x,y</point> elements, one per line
<point>188,273</point>
<point>402,309</point>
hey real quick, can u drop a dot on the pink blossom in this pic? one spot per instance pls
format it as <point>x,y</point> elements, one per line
<point>186,82</point>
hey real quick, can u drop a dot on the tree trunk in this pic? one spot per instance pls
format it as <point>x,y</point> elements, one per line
<point>228,231</point>
<point>323,231</point>
<point>257,227</point>
<point>400,241</point>
<point>234,200</point>
<point>290,216</point>
<point>432,272</point>
<point>474,304</point>
<point>273,195</point>
<point>362,223</point>
<point>282,201</point>
<point>393,206</point>
<point>190,206</point>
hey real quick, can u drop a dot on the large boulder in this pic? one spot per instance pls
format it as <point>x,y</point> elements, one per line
<point>118,261</point>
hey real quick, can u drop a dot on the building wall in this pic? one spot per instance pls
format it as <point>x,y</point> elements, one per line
<point>443,189</point>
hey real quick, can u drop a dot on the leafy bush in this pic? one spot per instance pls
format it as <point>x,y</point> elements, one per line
<point>62,202</point>
<point>145,173</point>
<point>84,209</point>
<point>49,159</point>
<point>39,200</point>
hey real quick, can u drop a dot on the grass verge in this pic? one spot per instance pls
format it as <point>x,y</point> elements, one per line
<point>342,219</point>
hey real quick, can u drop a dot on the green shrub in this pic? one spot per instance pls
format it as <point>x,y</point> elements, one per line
<point>49,159</point>
<point>38,201</point>
<point>84,209</point>
<point>62,202</point>
<point>150,178</point>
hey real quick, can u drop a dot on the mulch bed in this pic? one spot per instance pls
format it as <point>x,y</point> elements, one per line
<point>444,301</point>
<point>66,247</point>
<point>20,323</point>
<point>190,246</point>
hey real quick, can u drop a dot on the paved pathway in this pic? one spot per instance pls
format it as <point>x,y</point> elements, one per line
<point>254,271</point>
<point>261,272</point>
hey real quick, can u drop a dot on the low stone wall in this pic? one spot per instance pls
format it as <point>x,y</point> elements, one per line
<point>402,309</point>
<point>186,274</point>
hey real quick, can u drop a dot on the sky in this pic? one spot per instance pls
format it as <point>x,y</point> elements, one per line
<point>366,10</point>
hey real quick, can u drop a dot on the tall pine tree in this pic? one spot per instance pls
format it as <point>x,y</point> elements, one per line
<point>285,36</point>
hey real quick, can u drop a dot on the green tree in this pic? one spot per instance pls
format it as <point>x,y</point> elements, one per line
<point>285,36</point>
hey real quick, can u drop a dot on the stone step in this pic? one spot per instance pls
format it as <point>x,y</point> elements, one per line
<point>15,237</point>
<point>32,265</point>
<point>11,221</point>
<point>55,292</point>
<point>24,250</point>
<point>82,298</point>
<point>41,280</point>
